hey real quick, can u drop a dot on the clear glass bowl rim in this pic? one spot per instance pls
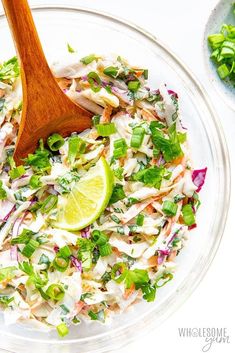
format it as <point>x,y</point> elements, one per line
<point>225,176</point>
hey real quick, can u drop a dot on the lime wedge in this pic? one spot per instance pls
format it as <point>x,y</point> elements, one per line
<point>88,198</point>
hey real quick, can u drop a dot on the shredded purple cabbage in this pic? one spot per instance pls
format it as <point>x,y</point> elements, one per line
<point>85,233</point>
<point>198,177</point>
<point>9,213</point>
<point>173,93</point>
<point>14,253</point>
<point>56,248</point>
<point>76,263</point>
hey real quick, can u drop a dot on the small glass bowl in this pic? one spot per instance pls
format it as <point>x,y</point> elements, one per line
<point>92,32</point>
<point>222,13</point>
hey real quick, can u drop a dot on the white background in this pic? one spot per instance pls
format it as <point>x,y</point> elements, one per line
<point>180,25</point>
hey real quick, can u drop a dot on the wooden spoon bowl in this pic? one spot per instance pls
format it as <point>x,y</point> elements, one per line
<point>46,109</point>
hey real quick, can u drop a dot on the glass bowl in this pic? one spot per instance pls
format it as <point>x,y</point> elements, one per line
<point>90,31</point>
<point>222,13</point>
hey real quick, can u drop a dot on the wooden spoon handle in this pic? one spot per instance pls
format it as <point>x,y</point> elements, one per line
<point>26,38</point>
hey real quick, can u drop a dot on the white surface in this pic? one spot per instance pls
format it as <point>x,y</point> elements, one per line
<point>180,25</point>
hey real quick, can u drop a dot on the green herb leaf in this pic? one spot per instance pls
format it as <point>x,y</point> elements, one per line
<point>150,176</point>
<point>149,292</point>
<point>17,172</point>
<point>35,182</point>
<point>5,300</point>
<point>39,161</point>
<point>118,173</point>
<point>97,316</point>
<point>170,147</point>
<point>34,277</point>
<point>118,194</point>
<point>7,273</point>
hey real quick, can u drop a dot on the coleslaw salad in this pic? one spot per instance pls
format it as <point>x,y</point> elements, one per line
<point>60,275</point>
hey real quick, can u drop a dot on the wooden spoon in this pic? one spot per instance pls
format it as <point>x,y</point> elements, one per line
<point>46,109</point>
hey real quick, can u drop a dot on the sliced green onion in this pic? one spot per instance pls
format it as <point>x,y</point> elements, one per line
<point>120,148</point>
<point>60,263</point>
<point>106,129</point>
<point>188,215</point>
<point>44,260</point>
<point>64,308</point>
<point>118,272</point>
<point>55,141</point>
<point>3,194</point>
<point>96,119</point>
<point>137,137</point>
<point>223,71</point>
<point>140,220</point>
<point>97,316</point>
<point>132,228</point>
<point>146,74</point>
<point>17,172</point>
<point>215,54</point>
<point>99,237</point>
<point>76,146</point>
<point>23,238</point>
<point>88,59</point>
<point>105,250</point>
<point>227,52</point>
<point>229,44</point>
<point>65,251</point>
<point>30,247</point>
<point>55,292</point>
<point>215,40</point>
<point>111,71</point>
<point>70,49</point>
<point>120,230</point>
<point>86,258</point>
<point>11,161</point>
<point>35,182</point>
<point>169,208</point>
<point>131,201</point>
<point>62,329</point>
<point>133,85</point>
<point>49,203</point>
<point>94,81</point>
<point>115,219</point>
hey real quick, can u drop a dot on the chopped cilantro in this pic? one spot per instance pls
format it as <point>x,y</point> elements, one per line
<point>118,194</point>
<point>150,176</point>
<point>170,147</point>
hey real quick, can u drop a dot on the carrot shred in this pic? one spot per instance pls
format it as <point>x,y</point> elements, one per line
<point>147,115</point>
<point>129,291</point>
<point>172,255</point>
<point>106,115</point>
<point>152,261</point>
